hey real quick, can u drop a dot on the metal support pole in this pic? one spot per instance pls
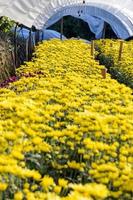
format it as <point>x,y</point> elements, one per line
<point>29,45</point>
<point>27,49</point>
<point>62,27</point>
<point>37,37</point>
<point>15,45</point>
<point>13,60</point>
<point>33,41</point>
<point>104,31</point>
<point>42,35</point>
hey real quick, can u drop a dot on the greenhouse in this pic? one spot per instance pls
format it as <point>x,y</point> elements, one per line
<point>66,100</point>
<point>43,13</point>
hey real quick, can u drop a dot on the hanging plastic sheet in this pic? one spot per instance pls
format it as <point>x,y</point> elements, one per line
<point>50,34</point>
<point>47,34</point>
<point>96,24</point>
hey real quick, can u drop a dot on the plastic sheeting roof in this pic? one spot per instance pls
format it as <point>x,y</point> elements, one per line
<point>44,12</point>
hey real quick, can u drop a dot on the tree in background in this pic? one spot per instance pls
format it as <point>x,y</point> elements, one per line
<point>74,27</point>
<point>6,24</point>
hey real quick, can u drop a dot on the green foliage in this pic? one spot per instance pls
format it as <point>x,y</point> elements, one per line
<point>74,27</point>
<point>107,52</point>
<point>6,24</point>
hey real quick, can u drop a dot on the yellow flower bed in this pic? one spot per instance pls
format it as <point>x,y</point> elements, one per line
<point>109,55</point>
<point>65,132</point>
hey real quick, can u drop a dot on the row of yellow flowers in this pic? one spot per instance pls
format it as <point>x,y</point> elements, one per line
<point>120,68</point>
<point>65,132</point>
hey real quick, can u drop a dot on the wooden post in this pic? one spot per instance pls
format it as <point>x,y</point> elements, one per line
<point>104,73</point>
<point>104,42</point>
<point>120,51</point>
<point>62,27</point>
<point>111,44</point>
<point>92,48</point>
